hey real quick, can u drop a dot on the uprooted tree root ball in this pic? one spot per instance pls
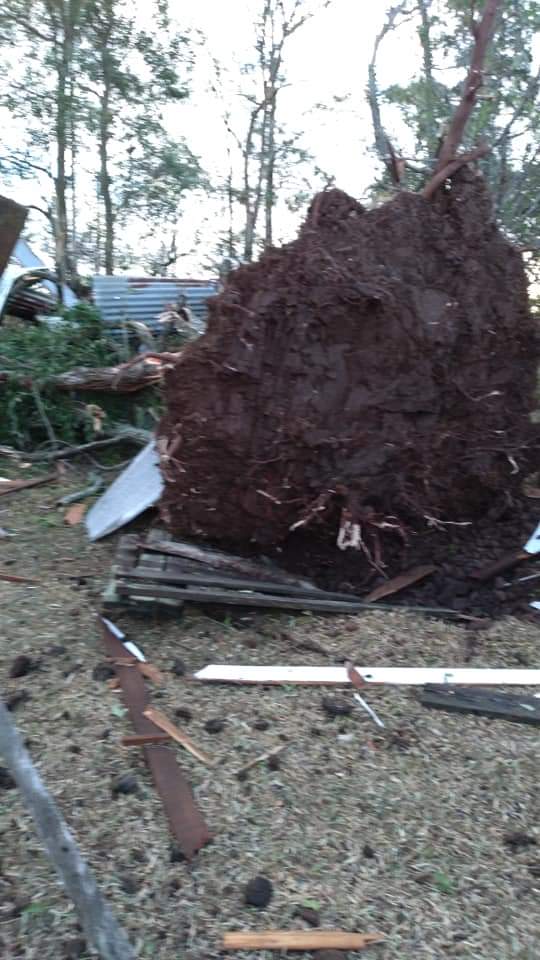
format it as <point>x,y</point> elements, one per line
<point>377,373</point>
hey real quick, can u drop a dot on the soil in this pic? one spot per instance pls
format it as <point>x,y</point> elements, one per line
<point>409,830</point>
<point>374,377</point>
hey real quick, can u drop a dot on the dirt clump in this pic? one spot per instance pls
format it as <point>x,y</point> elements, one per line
<point>374,376</point>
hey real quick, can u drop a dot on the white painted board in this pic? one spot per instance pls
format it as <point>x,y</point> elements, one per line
<point>418,676</point>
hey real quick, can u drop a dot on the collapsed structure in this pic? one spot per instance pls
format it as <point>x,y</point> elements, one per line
<point>376,373</point>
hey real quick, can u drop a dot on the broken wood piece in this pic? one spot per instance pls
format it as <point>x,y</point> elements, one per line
<point>161,721</point>
<point>299,940</point>
<point>13,578</point>
<point>261,758</point>
<point>338,676</point>
<point>11,486</point>
<point>151,672</point>
<point>75,513</point>
<point>186,821</point>
<point>401,582</point>
<point>113,683</point>
<point>238,598</point>
<point>487,703</point>
<point>507,562</point>
<point>225,561</point>
<point>144,739</point>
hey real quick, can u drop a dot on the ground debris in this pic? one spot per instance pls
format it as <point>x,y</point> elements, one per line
<point>258,892</point>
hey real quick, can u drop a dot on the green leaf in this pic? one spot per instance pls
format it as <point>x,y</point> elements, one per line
<point>118,710</point>
<point>444,883</point>
<point>311,904</point>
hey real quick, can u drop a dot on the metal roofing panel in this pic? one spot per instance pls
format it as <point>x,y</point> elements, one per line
<point>121,298</point>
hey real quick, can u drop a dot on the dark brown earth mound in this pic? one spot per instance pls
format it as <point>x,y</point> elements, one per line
<point>374,375</point>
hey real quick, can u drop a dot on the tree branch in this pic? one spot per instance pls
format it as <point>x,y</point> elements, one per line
<point>438,178</point>
<point>482,32</point>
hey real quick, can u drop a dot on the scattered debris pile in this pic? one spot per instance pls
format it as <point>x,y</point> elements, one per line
<point>376,373</point>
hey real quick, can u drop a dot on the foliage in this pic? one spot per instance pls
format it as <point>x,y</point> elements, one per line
<point>506,114</point>
<point>31,355</point>
<point>89,87</point>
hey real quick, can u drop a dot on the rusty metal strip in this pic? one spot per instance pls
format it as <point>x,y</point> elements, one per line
<point>185,819</point>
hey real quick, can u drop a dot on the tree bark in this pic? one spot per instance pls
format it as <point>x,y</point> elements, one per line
<point>100,927</point>
<point>430,134</point>
<point>104,138</point>
<point>482,32</point>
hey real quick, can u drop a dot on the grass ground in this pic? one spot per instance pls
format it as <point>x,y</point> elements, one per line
<point>401,830</point>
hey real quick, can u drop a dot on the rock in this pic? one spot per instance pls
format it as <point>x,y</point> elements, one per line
<point>73,949</point>
<point>258,892</point>
<point>519,840</point>
<point>21,666</point>
<point>103,672</point>
<point>261,725</point>
<point>183,713</point>
<point>274,762</point>
<point>56,650</point>
<point>124,784</point>
<point>129,884</point>
<point>6,780</point>
<point>179,668</point>
<point>214,726</point>
<point>308,914</point>
<point>175,854</point>
<point>534,869</point>
<point>335,707</point>
<point>368,852</point>
<point>16,699</point>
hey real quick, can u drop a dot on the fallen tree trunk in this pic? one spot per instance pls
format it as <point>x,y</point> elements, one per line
<point>144,371</point>
<point>377,373</point>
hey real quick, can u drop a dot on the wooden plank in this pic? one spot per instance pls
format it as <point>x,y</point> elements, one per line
<point>487,703</point>
<point>186,821</point>
<point>12,219</point>
<point>161,721</point>
<point>178,576</point>
<point>251,599</point>
<point>401,582</point>
<point>299,940</point>
<point>339,676</point>
<point>220,560</point>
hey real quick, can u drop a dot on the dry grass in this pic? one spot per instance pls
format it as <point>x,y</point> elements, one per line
<point>433,795</point>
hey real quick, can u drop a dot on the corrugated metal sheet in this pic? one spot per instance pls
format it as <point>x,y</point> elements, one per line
<point>144,298</point>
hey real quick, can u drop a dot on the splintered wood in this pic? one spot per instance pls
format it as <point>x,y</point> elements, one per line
<point>161,721</point>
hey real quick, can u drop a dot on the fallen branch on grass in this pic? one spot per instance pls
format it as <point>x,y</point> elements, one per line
<point>11,486</point>
<point>102,931</point>
<point>124,435</point>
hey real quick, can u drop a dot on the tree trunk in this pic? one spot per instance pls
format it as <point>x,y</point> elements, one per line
<point>104,178</point>
<point>430,132</point>
<point>270,167</point>
<point>62,110</point>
